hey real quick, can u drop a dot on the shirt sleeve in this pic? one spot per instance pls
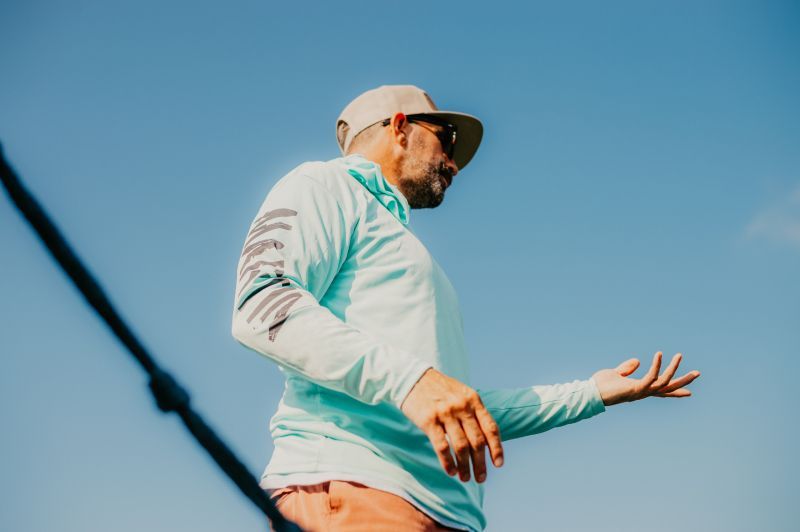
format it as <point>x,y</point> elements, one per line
<point>526,411</point>
<point>295,247</point>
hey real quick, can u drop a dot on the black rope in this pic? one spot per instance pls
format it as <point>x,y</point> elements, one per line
<point>170,396</point>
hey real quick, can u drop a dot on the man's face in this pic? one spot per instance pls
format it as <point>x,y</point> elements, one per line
<point>426,172</point>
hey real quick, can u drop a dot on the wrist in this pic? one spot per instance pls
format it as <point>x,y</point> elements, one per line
<point>595,398</point>
<point>418,371</point>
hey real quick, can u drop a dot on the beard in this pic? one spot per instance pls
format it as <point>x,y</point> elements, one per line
<point>426,190</point>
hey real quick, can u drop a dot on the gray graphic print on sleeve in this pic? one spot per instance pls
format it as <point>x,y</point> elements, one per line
<point>261,261</point>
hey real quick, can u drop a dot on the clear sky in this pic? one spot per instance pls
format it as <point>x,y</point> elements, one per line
<point>638,189</point>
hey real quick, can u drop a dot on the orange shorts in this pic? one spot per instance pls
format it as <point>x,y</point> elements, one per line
<point>348,506</point>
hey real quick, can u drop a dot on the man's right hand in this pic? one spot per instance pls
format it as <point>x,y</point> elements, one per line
<point>446,409</point>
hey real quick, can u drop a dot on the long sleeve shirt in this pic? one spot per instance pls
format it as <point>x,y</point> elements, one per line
<point>334,287</point>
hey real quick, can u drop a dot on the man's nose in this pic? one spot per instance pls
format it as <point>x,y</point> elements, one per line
<point>451,164</point>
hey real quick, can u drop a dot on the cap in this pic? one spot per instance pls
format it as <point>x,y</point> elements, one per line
<point>378,104</point>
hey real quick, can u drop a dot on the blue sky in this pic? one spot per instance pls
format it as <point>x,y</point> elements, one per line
<point>638,189</point>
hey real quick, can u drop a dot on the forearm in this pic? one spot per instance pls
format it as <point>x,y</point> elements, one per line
<point>311,341</point>
<point>526,411</point>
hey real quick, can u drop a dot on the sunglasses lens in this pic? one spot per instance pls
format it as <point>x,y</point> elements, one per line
<point>448,139</point>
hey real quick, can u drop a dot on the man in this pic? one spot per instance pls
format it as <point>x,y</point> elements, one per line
<point>377,428</point>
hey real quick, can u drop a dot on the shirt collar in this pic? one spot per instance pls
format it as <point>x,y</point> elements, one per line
<point>369,175</point>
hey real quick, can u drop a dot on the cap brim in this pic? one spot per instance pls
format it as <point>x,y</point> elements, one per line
<point>470,133</point>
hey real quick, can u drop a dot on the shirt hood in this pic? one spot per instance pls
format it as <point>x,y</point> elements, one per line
<point>369,175</point>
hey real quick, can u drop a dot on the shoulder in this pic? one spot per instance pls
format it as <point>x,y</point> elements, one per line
<point>321,178</point>
<point>320,189</point>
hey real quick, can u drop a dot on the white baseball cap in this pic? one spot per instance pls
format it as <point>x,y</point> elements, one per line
<point>379,104</point>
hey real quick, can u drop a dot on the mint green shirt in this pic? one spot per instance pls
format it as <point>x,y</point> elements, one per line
<point>335,288</point>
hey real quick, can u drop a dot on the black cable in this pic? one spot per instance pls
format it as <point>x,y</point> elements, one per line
<point>170,396</point>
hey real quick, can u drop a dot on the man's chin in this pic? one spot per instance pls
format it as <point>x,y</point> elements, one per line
<point>430,202</point>
<point>425,194</point>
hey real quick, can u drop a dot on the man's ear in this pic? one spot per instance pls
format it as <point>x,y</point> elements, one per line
<point>399,126</point>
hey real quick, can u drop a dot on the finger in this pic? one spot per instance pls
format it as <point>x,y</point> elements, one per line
<point>437,437</point>
<point>680,382</point>
<point>491,432</point>
<point>628,367</point>
<point>665,377</point>
<point>460,445</point>
<point>477,446</point>
<point>652,373</point>
<point>681,392</point>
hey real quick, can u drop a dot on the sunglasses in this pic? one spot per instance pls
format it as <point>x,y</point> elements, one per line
<point>446,135</point>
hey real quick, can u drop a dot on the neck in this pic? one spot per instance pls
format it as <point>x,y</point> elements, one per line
<point>389,166</point>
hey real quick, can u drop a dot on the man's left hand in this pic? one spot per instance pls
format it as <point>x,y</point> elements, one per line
<point>616,387</point>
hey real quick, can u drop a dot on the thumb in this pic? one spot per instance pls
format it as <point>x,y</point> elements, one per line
<point>628,367</point>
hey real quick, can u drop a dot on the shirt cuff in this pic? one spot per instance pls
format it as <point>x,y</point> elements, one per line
<point>407,379</point>
<point>595,404</point>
